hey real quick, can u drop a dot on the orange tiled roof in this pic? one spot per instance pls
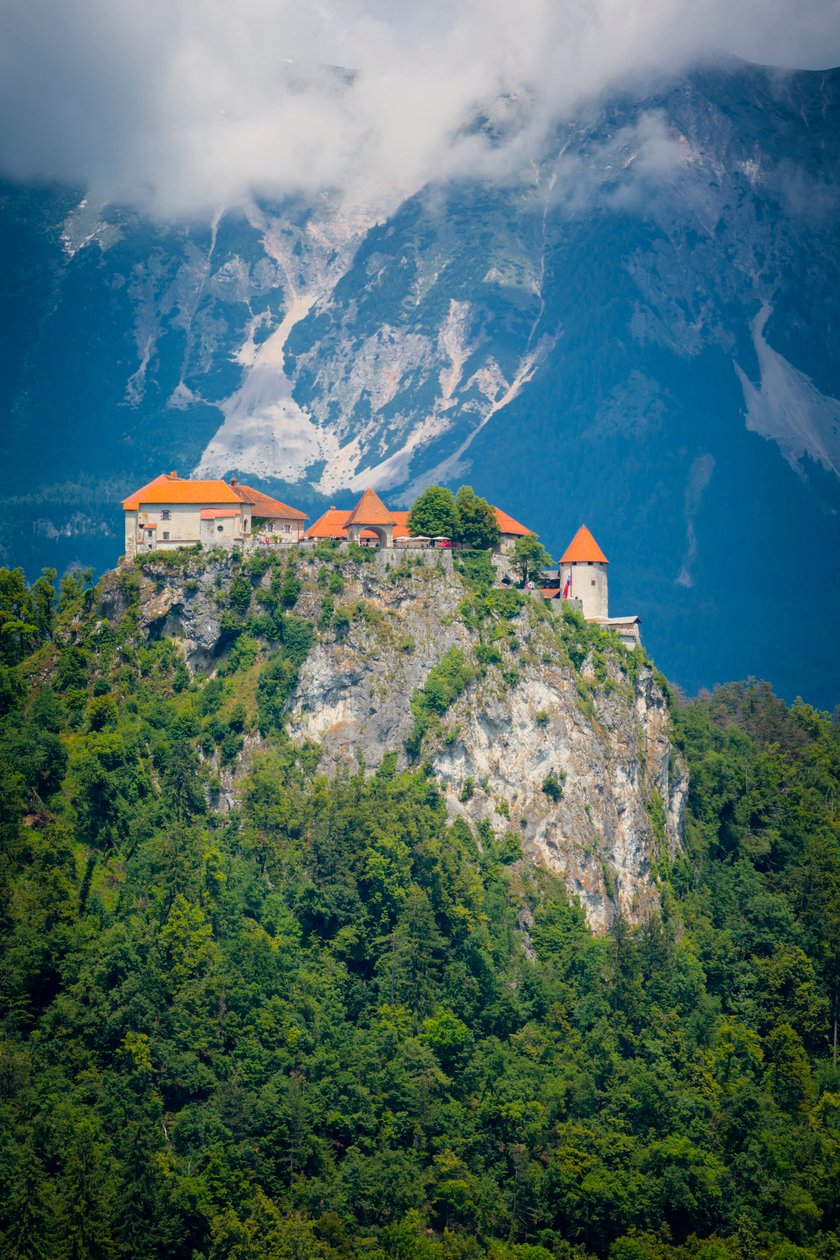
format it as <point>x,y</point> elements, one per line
<point>266,507</point>
<point>370,510</point>
<point>330,525</point>
<point>135,498</point>
<point>550,592</point>
<point>333,524</point>
<point>170,488</point>
<point>211,514</point>
<point>507,525</point>
<point>583,549</point>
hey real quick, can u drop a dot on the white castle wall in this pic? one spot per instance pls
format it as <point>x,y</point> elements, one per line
<point>589,585</point>
<point>183,526</point>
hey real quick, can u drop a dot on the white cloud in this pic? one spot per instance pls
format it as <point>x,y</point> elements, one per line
<point>186,105</point>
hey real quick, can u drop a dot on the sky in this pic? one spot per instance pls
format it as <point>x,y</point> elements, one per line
<point>188,106</point>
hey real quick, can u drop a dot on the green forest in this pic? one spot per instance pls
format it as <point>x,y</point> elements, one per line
<point>311,1018</point>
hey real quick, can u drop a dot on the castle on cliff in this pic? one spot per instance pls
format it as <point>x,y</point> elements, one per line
<point>173,511</point>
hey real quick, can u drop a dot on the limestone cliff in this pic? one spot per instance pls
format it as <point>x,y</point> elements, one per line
<point>531,722</point>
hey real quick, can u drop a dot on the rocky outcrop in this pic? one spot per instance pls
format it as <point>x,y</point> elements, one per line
<point>354,690</point>
<point>584,771</point>
<point>578,762</point>
<point>595,791</point>
<point>185,604</point>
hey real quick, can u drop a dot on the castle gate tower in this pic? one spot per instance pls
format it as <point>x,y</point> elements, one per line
<point>583,569</point>
<point>370,515</point>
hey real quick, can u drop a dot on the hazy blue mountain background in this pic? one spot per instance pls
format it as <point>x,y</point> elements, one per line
<point>642,335</point>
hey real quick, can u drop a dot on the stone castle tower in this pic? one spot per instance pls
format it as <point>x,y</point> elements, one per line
<point>583,566</point>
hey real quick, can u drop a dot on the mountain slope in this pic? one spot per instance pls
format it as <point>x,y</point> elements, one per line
<point>643,333</point>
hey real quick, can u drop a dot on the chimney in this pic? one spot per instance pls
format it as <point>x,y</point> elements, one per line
<point>173,476</point>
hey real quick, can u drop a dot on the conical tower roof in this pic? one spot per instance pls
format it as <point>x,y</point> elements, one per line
<point>370,510</point>
<point>583,549</point>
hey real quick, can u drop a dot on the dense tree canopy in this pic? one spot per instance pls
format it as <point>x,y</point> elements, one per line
<point>478,528</point>
<point>465,517</point>
<point>316,1018</point>
<point>434,514</point>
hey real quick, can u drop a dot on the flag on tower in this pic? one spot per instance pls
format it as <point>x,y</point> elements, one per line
<point>567,589</point>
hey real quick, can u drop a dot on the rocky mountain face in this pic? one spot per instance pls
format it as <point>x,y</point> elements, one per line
<point>642,333</point>
<point>550,730</point>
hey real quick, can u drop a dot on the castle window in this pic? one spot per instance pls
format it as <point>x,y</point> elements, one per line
<point>165,534</point>
<point>219,529</point>
<point>166,515</point>
<point>593,582</point>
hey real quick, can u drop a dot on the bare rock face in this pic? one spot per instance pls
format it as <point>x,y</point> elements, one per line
<point>582,770</point>
<point>354,689</point>
<point>185,605</point>
<point>576,760</point>
<point>596,796</point>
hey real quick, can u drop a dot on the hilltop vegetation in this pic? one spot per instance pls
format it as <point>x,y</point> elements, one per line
<point>253,1012</point>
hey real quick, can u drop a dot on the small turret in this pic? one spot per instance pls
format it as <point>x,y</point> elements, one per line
<point>583,569</point>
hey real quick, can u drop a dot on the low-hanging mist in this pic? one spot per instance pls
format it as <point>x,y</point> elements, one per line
<point>184,108</point>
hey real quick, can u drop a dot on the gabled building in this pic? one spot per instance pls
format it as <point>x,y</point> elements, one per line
<point>270,516</point>
<point>509,531</point>
<point>333,524</point>
<point>370,515</point>
<point>174,511</point>
<point>370,520</point>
